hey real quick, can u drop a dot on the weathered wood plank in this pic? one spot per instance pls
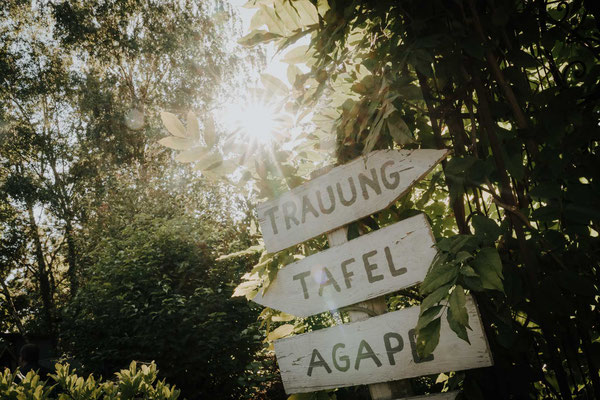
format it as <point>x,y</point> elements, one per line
<point>378,349</point>
<point>367,267</point>
<point>382,390</point>
<point>343,195</point>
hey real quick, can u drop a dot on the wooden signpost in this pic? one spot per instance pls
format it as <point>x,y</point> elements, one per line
<point>343,195</point>
<point>378,349</point>
<point>369,350</point>
<point>370,266</point>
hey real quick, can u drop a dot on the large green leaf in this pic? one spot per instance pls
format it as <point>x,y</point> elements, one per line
<point>288,15</point>
<point>209,133</point>
<point>192,155</point>
<point>489,267</point>
<point>246,288</point>
<point>486,228</point>
<point>292,73</point>
<point>439,276</point>
<point>438,295</point>
<point>428,338</point>
<point>281,331</point>
<point>459,328</point>
<point>258,36</point>
<point>306,12</point>
<point>273,21</point>
<point>208,161</point>
<point>298,54</point>
<point>457,303</point>
<point>400,132</point>
<point>193,130</point>
<point>426,317</point>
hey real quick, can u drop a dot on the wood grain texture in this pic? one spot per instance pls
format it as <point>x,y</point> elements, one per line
<point>345,194</point>
<point>296,355</point>
<point>367,267</point>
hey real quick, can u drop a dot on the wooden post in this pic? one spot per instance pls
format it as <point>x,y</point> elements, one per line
<point>378,391</point>
<point>383,177</point>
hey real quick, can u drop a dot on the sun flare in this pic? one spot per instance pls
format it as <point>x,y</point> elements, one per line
<point>254,121</point>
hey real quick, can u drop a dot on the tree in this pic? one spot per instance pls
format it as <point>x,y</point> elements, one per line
<point>153,291</point>
<point>82,86</point>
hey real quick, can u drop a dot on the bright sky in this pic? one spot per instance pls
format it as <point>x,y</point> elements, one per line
<point>274,65</point>
<point>255,119</point>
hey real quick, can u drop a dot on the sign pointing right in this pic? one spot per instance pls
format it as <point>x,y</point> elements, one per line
<point>345,194</point>
<point>378,349</point>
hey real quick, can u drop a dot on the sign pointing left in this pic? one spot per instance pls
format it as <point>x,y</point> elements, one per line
<point>370,266</point>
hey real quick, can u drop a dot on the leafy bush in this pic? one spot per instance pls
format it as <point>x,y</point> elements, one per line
<point>131,383</point>
<point>154,292</point>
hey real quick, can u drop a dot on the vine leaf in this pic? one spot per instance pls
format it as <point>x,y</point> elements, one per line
<point>438,276</point>
<point>296,55</point>
<point>191,155</point>
<point>399,131</point>
<point>457,327</point>
<point>247,289</point>
<point>429,315</point>
<point>486,228</point>
<point>257,36</point>
<point>306,11</point>
<point>208,161</point>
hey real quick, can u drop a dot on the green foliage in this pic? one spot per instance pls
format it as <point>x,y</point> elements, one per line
<point>462,263</point>
<point>153,291</point>
<point>65,384</point>
<point>83,87</point>
<point>511,87</point>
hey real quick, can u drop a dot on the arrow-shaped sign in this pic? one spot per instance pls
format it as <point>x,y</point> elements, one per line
<point>345,194</point>
<point>378,349</point>
<point>370,266</point>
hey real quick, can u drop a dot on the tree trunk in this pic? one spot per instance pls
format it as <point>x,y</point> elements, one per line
<point>42,272</point>
<point>12,308</point>
<point>71,258</point>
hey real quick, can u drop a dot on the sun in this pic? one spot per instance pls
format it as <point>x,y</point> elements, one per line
<point>256,122</point>
<point>253,120</point>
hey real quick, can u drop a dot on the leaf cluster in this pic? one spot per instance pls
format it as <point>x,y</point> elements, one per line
<point>65,384</point>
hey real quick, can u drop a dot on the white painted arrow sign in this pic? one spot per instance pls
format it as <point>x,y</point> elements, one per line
<point>345,194</point>
<point>367,267</point>
<point>378,349</point>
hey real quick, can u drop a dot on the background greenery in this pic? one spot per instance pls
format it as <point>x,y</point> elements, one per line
<point>104,238</point>
<point>107,247</point>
